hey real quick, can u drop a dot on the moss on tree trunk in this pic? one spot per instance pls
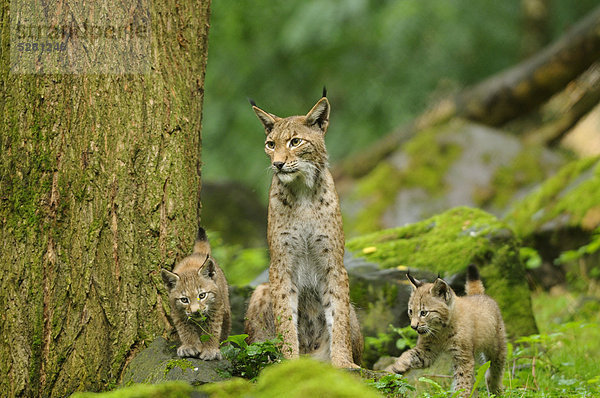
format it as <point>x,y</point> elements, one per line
<point>99,188</point>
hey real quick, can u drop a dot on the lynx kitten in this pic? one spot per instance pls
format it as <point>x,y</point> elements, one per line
<point>462,326</point>
<point>307,299</point>
<point>199,301</point>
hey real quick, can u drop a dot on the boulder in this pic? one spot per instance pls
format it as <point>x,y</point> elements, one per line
<point>570,200</point>
<point>459,163</point>
<point>561,221</point>
<point>159,363</point>
<point>444,244</point>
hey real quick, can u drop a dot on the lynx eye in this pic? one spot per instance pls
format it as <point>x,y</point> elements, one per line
<point>184,300</point>
<point>423,313</point>
<point>294,142</point>
<point>202,296</point>
<point>409,312</point>
<point>270,144</point>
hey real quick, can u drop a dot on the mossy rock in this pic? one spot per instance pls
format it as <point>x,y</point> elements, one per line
<point>459,163</point>
<point>159,363</point>
<point>445,244</point>
<point>569,200</point>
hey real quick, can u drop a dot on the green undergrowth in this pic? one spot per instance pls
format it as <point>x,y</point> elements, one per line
<point>173,389</point>
<point>247,360</point>
<point>300,378</point>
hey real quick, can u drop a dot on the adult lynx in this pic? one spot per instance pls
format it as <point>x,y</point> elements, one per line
<point>307,299</point>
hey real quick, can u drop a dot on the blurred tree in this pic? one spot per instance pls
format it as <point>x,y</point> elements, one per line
<point>99,188</point>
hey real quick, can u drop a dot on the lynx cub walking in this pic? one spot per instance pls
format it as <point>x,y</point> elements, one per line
<point>307,300</point>
<point>461,326</point>
<point>199,301</point>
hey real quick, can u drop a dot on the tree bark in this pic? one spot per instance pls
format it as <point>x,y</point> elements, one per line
<point>99,188</point>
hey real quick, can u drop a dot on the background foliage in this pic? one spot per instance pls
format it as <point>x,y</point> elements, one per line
<point>383,62</point>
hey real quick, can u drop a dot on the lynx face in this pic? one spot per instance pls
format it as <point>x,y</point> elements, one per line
<point>429,307</point>
<point>194,296</point>
<point>193,293</point>
<point>296,144</point>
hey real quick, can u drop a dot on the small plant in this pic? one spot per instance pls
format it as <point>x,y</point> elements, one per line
<point>205,336</point>
<point>402,338</point>
<point>247,360</point>
<point>407,339</point>
<point>391,385</point>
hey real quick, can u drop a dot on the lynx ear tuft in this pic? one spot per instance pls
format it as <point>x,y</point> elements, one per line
<point>267,119</point>
<point>208,268</point>
<point>441,289</point>
<point>319,115</point>
<point>416,283</point>
<point>169,278</point>
<point>324,92</point>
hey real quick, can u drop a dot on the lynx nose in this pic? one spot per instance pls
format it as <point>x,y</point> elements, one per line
<point>278,165</point>
<point>415,327</point>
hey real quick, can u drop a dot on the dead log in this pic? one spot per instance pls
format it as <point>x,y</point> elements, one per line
<point>530,83</point>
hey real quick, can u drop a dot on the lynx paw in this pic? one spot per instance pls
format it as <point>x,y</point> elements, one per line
<point>396,368</point>
<point>209,354</point>
<point>187,351</point>
<point>344,364</point>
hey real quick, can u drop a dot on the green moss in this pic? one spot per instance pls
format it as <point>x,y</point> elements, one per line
<point>236,387</point>
<point>525,169</point>
<point>306,377</point>
<point>300,378</point>
<point>429,157</point>
<point>450,241</point>
<point>570,194</point>
<point>179,363</point>
<point>380,187</point>
<point>166,390</point>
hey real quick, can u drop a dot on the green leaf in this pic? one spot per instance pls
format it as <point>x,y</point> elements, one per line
<point>433,383</point>
<point>237,339</point>
<point>480,376</point>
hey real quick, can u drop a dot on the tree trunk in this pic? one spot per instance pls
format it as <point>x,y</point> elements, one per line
<point>99,188</point>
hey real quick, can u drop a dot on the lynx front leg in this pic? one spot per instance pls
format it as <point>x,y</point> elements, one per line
<point>284,298</point>
<point>336,303</point>
<point>210,348</point>
<point>464,369</point>
<point>416,358</point>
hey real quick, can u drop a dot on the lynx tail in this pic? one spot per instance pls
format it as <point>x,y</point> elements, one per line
<point>474,284</point>
<point>202,246</point>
